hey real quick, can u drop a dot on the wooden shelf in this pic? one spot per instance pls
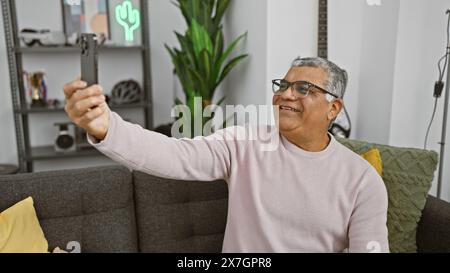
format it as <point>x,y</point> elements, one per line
<point>48,152</point>
<point>38,110</point>
<point>67,49</point>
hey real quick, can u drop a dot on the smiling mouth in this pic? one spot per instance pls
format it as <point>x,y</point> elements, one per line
<point>287,108</point>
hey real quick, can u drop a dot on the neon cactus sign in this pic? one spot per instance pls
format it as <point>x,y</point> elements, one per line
<point>129,18</point>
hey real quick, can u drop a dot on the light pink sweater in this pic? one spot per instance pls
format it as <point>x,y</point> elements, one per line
<point>281,198</point>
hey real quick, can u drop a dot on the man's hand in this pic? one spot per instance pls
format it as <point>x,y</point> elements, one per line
<point>87,108</point>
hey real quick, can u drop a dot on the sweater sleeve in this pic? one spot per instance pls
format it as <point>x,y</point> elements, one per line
<point>202,158</point>
<point>367,229</point>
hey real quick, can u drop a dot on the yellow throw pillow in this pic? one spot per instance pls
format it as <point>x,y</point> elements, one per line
<point>20,231</point>
<point>373,156</point>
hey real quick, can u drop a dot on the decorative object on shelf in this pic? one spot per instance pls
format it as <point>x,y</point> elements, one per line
<point>75,39</point>
<point>129,18</point>
<point>81,142</point>
<point>125,22</point>
<point>126,92</point>
<point>45,37</point>
<point>201,62</point>
<point>6,169</point>
<point>72,18</point>
<point>165,129</point>
<point>37,88</point>
<point>53,103</point>
<point>65,142</point>
<point>85,16</point>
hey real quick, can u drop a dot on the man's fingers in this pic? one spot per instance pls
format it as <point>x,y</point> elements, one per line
<point>95,90</point>
<point>92,115</point>
<point>83,106</point>
<point>72,87</point>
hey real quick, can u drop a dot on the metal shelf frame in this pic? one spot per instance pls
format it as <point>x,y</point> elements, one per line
<point>27,154</point>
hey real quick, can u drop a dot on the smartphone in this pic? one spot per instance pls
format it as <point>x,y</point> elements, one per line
<point>89,58</point>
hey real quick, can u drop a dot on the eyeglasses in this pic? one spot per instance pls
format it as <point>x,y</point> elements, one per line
<point>302,88</point>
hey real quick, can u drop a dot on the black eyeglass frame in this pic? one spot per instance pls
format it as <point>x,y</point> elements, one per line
<point>290,84</point>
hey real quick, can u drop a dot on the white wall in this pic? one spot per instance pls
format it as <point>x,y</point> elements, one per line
<point>292,32</point>
<point>379,43</point>
<point>165,18</point>
<point>247,83</point>
<point>421,42</point>
<point>344,48</point>
<point>394,58</point>
<point>274,40</point>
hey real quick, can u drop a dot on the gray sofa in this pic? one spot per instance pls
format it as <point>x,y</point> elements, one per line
<point>110,209</point>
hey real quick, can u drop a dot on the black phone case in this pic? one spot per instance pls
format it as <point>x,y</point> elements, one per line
<point>89,58</point>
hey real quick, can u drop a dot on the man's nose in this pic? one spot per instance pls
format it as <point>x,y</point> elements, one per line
<point>288,94</point>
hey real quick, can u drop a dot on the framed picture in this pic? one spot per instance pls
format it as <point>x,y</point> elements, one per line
<point>85,16</point>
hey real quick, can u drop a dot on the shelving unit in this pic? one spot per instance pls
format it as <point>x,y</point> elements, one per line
<point>29,110</point>
<point>66,49</point>
<point>28,154</point>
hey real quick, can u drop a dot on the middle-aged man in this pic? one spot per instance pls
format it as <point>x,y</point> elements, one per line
<point>310,194</point>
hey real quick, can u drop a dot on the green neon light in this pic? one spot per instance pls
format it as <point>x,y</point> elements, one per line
<point>129,18</point>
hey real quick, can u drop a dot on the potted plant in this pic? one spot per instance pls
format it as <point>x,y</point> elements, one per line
<point>202,61</point>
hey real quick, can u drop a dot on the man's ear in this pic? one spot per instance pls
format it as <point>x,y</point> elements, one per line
<point>335,108</point>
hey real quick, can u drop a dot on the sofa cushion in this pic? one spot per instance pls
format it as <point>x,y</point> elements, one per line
<point>433,233</point>
<point>91,206</point>
<point>180,216</point>
<point>407,174</point>
<point>20,231</point>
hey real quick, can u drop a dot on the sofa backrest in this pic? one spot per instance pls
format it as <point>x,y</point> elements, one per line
<point>93,206</point>
<point>180,216</point>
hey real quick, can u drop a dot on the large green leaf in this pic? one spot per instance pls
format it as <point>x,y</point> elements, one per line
<point>226,54</point>
<point>230,49</point>
<point>178,66</point>
<point>186,46</point>
<point>230,66</point>
<point>205,67</point>
<point>218,46</point>
<point>201,86</point>
<point>194,8</point>
<point>200,38</point>
<point>221,7</point>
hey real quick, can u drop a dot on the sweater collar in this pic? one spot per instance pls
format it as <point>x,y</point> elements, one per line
<point>295,149</point>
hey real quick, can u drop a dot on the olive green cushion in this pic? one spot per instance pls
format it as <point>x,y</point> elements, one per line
<point>407,174</point>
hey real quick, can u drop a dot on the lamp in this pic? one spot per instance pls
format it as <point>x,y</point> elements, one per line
<point>444,122</point>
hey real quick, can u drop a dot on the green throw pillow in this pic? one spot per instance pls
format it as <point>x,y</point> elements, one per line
<point>407,174</point>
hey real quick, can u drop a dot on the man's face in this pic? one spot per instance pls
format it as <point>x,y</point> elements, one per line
<point>312,111</point>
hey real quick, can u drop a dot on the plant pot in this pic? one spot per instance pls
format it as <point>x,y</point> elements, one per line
<point>165,129</point>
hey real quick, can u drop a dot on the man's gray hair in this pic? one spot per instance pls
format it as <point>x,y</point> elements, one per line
<point>337,77</point>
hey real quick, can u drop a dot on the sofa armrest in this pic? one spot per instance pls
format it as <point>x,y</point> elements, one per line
<point>433,233</point>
